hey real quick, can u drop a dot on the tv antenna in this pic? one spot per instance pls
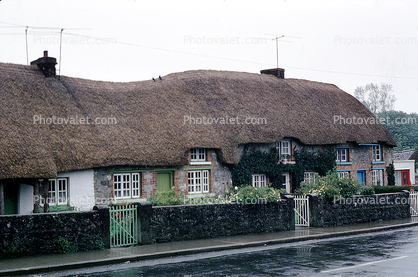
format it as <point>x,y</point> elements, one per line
<point>277,45</point>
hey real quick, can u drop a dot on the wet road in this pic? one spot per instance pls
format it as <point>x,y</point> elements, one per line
<point>393,253</point>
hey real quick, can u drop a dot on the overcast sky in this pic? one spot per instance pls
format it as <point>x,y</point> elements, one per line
<point>346,43</point>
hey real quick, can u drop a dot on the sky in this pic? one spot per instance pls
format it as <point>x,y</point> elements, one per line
<point>346,43</point>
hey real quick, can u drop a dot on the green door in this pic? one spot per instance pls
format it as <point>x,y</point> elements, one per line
<point>10,199</point>
<point>164,181</point>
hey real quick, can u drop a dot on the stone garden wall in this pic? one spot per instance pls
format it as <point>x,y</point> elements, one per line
<point>189,222</point>
<point>358,209</point>
<point>59,232</point>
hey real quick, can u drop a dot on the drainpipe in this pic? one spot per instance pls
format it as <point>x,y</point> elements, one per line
<point>46,196</point>
<point>36,197</point>
<point>1,199</point>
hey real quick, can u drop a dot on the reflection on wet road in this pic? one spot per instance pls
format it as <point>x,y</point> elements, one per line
<point>392,253</point>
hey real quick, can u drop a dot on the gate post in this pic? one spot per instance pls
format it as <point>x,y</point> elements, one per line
<point>291,209</point>
<point>314,213</point>
<point>144,219</point>
<point>104,218</point>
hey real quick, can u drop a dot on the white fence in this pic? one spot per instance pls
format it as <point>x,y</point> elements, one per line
<point>413,202</point>
<point>301,210</point>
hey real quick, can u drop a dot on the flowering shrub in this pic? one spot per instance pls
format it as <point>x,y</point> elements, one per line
<point>249,194</point>
<point>170,197</point>
<point>331,185</point>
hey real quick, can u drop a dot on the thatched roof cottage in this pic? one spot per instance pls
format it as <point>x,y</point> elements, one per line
<point>65,139</point>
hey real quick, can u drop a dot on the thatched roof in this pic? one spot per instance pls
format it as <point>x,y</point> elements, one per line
<point>150,129</point>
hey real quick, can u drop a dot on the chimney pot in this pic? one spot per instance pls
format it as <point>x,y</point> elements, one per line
<point>45,53</point>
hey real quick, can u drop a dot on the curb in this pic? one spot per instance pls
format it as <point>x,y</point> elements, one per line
<point>166,254</point>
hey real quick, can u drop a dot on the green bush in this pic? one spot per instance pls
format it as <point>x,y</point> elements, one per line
<point>391,189</point>
<point>171,197</point>
<point>331,185</point>
<point>249,194</point>
<point>64,246</point>
<point>367,190</point>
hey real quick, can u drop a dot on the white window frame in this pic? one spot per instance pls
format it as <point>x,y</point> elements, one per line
<point>377,153</point>
<point>127,185</point>
<point>198,155</point>
<point>198,181</point>
<point>309,177</point>
<point>377,175</point>
<point>343,174</point>
<point>285,145</point>
<point>58,191</point>
<point>259,180</point>
<point>342,155</point>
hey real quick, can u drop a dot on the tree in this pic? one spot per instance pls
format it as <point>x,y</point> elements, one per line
<point>376,99</point>
<point>403,127</point>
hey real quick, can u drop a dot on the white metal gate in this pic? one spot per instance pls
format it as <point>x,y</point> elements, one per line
<point>301,210</point>
<point>413,203</point>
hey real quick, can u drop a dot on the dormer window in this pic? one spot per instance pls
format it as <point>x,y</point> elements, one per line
<point>342,155</point>
<point>198,155</point>
<point>285,150</point>
<point>377,153</point>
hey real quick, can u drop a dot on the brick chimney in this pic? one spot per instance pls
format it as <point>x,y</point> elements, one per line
<point>46,65</point>
<point>278,72</point>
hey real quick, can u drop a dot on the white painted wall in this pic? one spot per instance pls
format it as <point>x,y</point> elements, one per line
<point>405,165</point>
<point>25,199</point>
<point>80,189</point>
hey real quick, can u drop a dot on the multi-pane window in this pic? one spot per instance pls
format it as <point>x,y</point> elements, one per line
<point>342,155</point>
<point>377,153</point>
<point>343,174</point>
<point>198,181</point>
<point>58,191</point>
<point>309,177</point>
<point>284,148</point>
<point>126,185</point>
<point>377,177</point>
<point>259,180</point>
<point>198,155</point>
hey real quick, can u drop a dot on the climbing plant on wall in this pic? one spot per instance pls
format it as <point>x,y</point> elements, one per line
<point>257,162</point>
<point>267,162</point>
<point>319,161</point>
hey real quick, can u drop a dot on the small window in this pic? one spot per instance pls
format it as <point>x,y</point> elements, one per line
<point>198,155</point>
<point>343,174</point>
<point>309,177</point>
<point>198,181</point>
<point>377,177</point>
<point>376,153</point>
<point>285,149</point>
<point>126,185</point>
<point>58,191</point>
<point>259,180</point>
<point>342,155</point>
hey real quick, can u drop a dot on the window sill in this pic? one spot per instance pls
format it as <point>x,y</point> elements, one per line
<point>344,163</point>
<point>199,194</point>
<point>128,200</point>
<point>378,162</point>
<point>287,162</point>
<point>200,163</point>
